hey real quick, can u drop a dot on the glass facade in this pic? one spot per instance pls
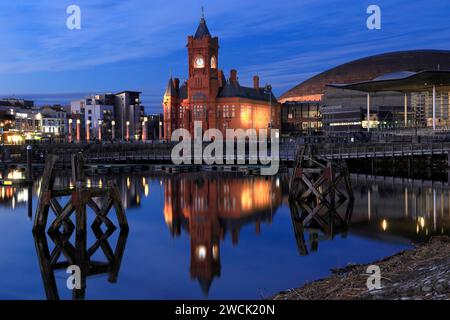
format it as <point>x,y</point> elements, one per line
<point>422,104</point>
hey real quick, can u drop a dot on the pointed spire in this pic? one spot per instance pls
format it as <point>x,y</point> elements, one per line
<point>202,30</point>
<point>170,90</point>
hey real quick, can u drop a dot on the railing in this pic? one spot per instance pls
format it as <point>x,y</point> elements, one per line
<point>383,150</point>
<point>288,152</point>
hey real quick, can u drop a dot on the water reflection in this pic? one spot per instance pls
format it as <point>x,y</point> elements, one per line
<point>65,254</point>
<point>208,208</point>
<point>394,208</point>
<point>319,222</point>
<point>205,209</point>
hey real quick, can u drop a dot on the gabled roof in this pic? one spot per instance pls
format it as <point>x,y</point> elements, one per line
<point>202,30</point>
<point>234,89</point>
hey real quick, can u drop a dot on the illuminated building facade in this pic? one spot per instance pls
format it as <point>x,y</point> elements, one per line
<point>395,100</point>
<point>110,116</point>
<point>345,109</point>
<point>21,123</point>
<point>54,120</point>
<point>209,97</point>
<point>301,117</point>
<point>422,107</point>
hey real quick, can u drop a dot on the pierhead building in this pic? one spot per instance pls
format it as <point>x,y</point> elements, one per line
<point>210,98</point>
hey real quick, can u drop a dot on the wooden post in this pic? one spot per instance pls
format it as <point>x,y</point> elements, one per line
<point>48,276</point>
<point>78,170</point>
<point>29,164</point>
<point>118,206</point>
<point>43,206</point>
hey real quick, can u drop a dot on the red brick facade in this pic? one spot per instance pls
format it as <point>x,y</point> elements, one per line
<point>207,96</point>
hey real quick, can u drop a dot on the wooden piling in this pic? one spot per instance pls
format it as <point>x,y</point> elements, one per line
<point>316,196</point>
<point>81,198</point>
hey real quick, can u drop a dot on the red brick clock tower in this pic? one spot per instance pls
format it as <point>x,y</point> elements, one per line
<point>208,97</point>
<point>203,82</point>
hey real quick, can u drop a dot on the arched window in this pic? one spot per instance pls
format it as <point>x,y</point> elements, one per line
<point>213,62</point>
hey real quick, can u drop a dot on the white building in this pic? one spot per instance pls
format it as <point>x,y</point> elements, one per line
<point>53,120</point>
<point>97,110</point>
<point>123,109</point>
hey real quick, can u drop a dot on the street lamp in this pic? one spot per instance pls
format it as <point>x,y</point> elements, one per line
<point>144,129</point>
<point>78,130</point>
<point>128,131</point>
<point>100,122</point>
<point>113,130</point>
<point>70,130</point>
<point>88,130</point>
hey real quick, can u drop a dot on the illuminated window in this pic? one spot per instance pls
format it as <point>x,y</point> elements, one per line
<point>213,62</point>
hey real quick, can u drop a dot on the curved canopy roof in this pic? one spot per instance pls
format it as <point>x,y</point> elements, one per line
<point>368,68</point>
<point>403,82</point>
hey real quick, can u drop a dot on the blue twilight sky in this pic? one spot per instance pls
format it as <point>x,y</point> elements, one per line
<point>133,44</point>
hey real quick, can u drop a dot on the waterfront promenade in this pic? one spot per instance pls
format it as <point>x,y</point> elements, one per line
<point>161,152</point>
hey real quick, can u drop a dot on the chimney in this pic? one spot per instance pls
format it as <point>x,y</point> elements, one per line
<point>233,76</point>
<point>256,82</point>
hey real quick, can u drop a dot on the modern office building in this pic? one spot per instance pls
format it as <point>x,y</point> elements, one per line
<point>344,106</point>
<point>424,109</point>
<point>97,114</point>
<point>346,110</point>
<point>128,115</point>
<point>155,127</point>
<point>301,117</point>
<point>104,113</point>
<point>367,69</point>
<point>208,97</point>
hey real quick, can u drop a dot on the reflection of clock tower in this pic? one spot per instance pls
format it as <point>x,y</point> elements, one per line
<point>203,83</point>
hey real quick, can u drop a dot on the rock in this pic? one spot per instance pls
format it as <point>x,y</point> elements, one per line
<point>427,288</point>
<point>376,292</point>
<point>439,288</point>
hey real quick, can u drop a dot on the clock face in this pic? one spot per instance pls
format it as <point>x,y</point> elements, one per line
<point>199,62</point>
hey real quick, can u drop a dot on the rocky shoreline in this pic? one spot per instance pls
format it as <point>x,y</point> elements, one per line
<point>422,273</point>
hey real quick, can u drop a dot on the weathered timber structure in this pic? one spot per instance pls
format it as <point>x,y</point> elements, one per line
<point>81,198</point>
<point>318,189</point>
<point>78,255</point>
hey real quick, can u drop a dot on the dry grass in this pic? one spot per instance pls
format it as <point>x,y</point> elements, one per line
<point>350,283</point>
